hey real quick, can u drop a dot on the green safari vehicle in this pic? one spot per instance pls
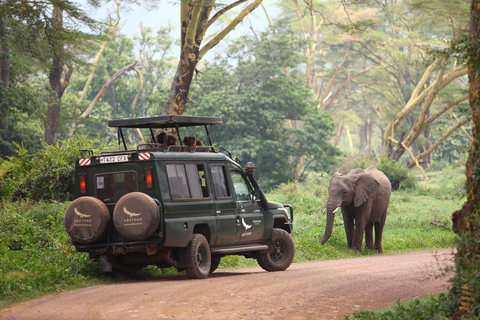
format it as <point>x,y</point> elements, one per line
<point>174,206</point>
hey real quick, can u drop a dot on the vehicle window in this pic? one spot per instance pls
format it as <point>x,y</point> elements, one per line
<point>220,182</point>
<point>241,186</point>
<point>110,187</point>
<point>187,181</point>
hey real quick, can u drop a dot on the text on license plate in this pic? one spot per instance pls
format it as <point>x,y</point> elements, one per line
<point>111,159</point>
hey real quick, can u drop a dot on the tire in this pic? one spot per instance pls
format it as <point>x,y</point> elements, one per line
<point>283,252</point>
<point>86,219</point>
<point>136,216</point>
<point>199,259</point>
<point>215,263</point>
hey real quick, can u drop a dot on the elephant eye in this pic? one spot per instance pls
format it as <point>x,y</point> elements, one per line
<point>344,191</point>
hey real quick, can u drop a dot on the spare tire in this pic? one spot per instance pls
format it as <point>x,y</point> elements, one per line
<point>136,216</point>
<point>86,219</point>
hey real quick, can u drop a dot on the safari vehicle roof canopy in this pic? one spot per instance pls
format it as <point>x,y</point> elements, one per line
<point>165,121</point>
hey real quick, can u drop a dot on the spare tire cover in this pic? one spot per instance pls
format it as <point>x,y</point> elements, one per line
<point>86,219</point>
<point>136,216</point>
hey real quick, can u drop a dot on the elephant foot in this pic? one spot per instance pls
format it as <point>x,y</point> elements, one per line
<point>357,251</point>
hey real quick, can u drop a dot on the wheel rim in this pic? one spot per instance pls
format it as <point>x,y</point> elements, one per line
<point>279,251</point>
<point>202,257</point>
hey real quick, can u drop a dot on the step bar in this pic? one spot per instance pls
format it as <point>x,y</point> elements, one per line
<point>245,248</point>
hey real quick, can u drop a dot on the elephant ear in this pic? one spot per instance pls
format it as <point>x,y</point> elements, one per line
<point>365,187</point>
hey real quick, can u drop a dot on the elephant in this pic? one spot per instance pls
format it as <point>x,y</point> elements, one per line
<point>363,196</point>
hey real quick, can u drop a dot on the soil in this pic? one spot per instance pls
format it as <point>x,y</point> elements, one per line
<point>317,290</point>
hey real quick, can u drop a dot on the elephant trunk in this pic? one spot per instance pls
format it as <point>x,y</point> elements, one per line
<point>331,209</point>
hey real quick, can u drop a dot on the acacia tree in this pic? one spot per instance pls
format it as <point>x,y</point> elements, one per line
<point>195,21</point>
<point>466,221</point>
<point>39,31</point>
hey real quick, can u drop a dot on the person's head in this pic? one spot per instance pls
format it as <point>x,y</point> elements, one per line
<point>190,142</point>
<point>170,141</point>
<point>161,137</point>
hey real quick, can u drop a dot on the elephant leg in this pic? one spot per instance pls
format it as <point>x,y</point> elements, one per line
<point>369,236</point>
<point>378,233</point>
<point>349,227</point>
<point>360,225</point>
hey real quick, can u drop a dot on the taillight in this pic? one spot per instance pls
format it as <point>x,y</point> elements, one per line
<point>83,184</point>
<point>148,178</point>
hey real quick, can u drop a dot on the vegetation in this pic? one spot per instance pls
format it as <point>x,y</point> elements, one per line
<point>47,174</point>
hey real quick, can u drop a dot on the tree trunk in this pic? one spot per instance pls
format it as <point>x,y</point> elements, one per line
<point>194,16</point>
<point>4,70</point>
<point>56,84</point>
<point>467,220</point>
<point>178,95</point>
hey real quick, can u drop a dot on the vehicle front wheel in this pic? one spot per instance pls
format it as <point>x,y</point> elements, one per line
<point>283,252</point>
<point>215,262</point>
<point>198,258</point>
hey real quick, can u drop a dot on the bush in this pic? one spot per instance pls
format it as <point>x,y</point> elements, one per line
<point>47,174</point>
<point>36,255</point>
<point>399,176</point>
<point>436,307</point>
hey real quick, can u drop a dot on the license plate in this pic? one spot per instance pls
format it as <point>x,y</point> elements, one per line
<point>112,159</point>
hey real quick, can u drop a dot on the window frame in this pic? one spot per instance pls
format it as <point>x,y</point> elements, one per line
<point>227,184</point>
<point>190,199</point>
<point>245,180</point>
<point>113,173</point>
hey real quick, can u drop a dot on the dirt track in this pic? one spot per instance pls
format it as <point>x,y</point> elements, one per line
<point>318,290</point>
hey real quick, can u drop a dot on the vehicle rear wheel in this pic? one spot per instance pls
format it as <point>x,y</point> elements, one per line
<point>215,263</point>
<point>199,258</point>
<point>283,252</point>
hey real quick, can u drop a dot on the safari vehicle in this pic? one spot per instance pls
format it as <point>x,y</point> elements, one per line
<point>176,206</point>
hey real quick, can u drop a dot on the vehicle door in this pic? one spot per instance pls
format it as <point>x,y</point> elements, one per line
<point>250,216</point>
<point>190,200</point>
<point>225,206</point>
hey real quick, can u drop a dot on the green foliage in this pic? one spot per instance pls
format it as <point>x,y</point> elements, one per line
<point>399,176</point>
<point>47,174</point>
<point>267,109</point>
<point>433,308</point>
<point>36,256</point>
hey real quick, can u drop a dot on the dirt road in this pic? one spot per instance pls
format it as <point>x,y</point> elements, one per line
<point>318,290</point>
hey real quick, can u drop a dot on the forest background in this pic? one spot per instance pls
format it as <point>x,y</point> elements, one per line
<point>327,81</point>
<point>373,78</point>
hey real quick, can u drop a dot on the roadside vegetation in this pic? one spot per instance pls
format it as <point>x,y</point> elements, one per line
<point>36,257</point>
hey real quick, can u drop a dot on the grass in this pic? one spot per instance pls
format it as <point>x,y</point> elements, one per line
<point>36,257</point>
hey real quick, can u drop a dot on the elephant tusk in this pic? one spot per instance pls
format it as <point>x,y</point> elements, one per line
<point>336,209</point>
<point>324,209</point>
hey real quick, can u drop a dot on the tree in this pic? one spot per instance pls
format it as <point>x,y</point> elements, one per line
<point>258,90</point>
<point>195,21</point>
<point>41,31</point>
<point>466,289</point>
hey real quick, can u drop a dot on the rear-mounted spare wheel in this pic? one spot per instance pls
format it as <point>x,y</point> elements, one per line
<point>136,216</point>
<point>86,219</point>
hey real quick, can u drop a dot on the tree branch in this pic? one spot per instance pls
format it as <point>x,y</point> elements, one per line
<point>105,87</point>
<point>212,43</point>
